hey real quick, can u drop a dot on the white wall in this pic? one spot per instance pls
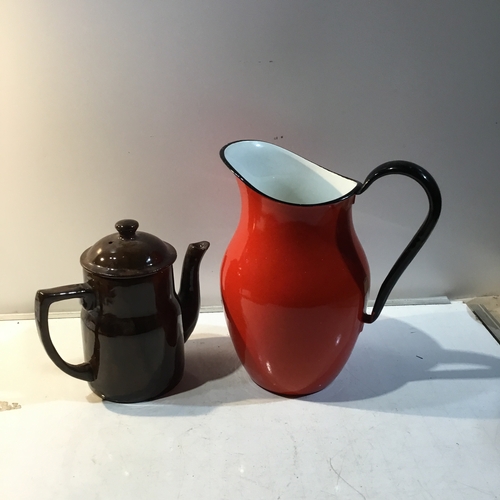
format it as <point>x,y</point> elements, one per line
<point>118,108</point>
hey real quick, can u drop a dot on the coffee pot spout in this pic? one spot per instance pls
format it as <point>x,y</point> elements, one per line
<point>189,292</point>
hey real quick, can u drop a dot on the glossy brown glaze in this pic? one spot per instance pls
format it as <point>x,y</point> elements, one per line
<point>133,337</point>
<point>133,327</point>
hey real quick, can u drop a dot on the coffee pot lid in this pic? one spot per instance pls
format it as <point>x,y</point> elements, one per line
<point>128,253</point>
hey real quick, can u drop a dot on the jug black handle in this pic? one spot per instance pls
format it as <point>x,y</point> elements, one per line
<point>431,188</point>
<point>43,300</point>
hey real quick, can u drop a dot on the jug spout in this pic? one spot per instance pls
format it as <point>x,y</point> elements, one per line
<point>189,292</point>
<point>283,176</point>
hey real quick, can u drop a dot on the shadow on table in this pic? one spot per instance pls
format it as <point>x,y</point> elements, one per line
<point>439,381</point>
<point>213,376</point>
<point>394,368</point>
<point>208,358</point>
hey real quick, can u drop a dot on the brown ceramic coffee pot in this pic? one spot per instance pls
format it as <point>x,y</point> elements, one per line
<point>134,324</point>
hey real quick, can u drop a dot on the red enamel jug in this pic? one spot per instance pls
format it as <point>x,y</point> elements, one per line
<point>294,277</point>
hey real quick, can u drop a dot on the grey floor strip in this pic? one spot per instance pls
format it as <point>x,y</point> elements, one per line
<point>486,318</point>
<point>414,302</point>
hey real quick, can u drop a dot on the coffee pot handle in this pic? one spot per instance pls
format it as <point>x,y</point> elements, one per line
<point>429,185</point>
<point>43,300</point>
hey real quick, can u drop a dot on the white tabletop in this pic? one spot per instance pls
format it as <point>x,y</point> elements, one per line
<point>415,414</point>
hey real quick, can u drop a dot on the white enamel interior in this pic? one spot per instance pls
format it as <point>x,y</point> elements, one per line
<point>285,176</point>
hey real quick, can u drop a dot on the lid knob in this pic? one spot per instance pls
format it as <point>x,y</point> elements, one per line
<point>127,228</point>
